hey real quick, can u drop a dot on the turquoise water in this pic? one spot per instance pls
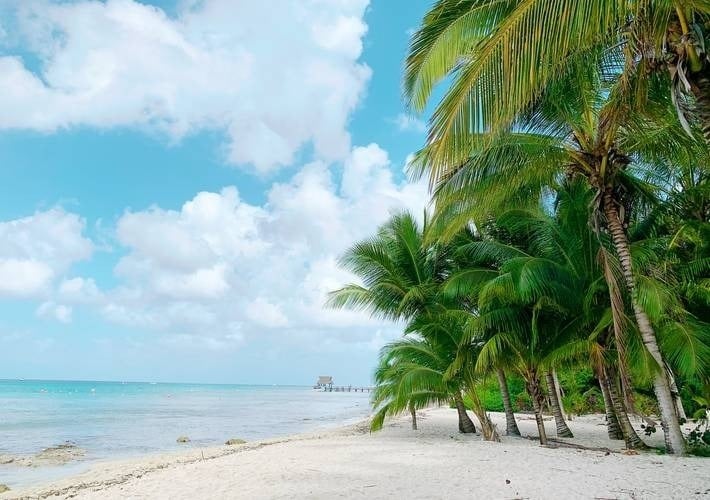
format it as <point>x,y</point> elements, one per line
<point>116,420</point>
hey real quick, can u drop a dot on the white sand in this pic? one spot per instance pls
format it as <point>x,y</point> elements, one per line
<point>433,462</point>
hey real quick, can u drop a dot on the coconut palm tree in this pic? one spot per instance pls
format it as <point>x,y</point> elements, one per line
<point>402,276</point>
<point>525,273</point>
<point>502,55</point>
<point>410,376</point>
<point>577,127</point>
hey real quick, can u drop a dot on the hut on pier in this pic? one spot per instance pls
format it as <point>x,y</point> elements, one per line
<point>324,382</point>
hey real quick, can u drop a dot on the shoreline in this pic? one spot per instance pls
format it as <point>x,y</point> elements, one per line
<point>433,462</point>
<point>112,471</point>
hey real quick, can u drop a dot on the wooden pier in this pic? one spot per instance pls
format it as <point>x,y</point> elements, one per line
<point>325,383</point>
<point>348,388</point>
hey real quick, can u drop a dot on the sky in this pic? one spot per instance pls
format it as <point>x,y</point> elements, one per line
<point>179,178</point>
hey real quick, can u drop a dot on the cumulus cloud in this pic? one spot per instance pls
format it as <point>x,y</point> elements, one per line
<point>272,79</point>
<point>224,270</point>
<point>36,250</point>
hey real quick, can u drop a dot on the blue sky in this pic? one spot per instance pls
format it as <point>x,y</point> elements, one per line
<point>180,176</point>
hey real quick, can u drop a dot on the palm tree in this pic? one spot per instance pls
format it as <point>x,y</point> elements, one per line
<point>524,286</point>
<point>402,276</point>
<point>410,376</point>
<point>502,55</point>
<point>578,127</point>
<point>446,328</point>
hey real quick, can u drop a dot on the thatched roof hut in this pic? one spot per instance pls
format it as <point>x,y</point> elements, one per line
<point>324,380</point>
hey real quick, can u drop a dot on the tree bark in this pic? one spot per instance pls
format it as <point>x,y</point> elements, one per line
<point>613,428</point>
<point>675,443</point>
<point>558,391</point>
<point>700,87</point>
<point>511,426</point>
<point>631,439</point>
<point>562,429</point>
<point>680,411</point>
<point>413,412</point>
<point>538,398</point>
<point>465,423</point>
<point>488,429</point>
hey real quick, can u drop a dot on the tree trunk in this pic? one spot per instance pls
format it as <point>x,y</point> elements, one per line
<point>612,423</point>
<point>700,86</point>
<point>538,398</point>
<point>413,412</point>
<point>511,426</point>
<point>631,439</point>
<point>680,411</point>
<point>558,391</point>
<point>562,429</point>
<point>488,429</point>
<point>675,443</point>
<point>465,423</point>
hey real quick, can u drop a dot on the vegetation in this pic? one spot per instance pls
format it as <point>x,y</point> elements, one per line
<point>570,243</point>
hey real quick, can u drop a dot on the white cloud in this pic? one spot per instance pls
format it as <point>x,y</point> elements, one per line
<point>23,277</point>
<point>58,312</point>
<point>262,312</point>
<point>79,290</point>
<point>224,270</point>
<point>35,250</point>
<point>273,79</point>
<point>409,123</point>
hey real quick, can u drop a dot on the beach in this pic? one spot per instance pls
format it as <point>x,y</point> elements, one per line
<point>432,462</point>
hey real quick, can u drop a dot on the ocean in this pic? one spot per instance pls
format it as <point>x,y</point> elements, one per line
<point>124,419</point>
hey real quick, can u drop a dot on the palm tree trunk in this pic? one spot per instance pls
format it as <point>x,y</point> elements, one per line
<point>675,443</point>
<point>558,391</point>
<point>465,423</point>
<point>488,429</point>
<point>538,398</point>
<point>680,411</point>
<point>700,87</point>
<point>511,426</point>
<point>413,412</point>
<point>562,429</point>
<point>631,439</point>
<point>612,423</point>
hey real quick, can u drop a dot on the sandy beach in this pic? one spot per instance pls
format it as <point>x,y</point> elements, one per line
<point>432,462</point>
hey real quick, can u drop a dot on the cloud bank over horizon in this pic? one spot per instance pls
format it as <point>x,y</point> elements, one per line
<point>220,271</point>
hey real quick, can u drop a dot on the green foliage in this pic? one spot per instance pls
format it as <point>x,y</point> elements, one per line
<point>645,404</point>
<point>590,401</point>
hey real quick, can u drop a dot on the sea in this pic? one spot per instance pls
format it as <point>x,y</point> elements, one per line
<point>108,420</point>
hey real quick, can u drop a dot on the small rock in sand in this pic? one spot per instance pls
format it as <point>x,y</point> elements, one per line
<point>4,488</point>
<point>233,442</point>
<point>183,439</point>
